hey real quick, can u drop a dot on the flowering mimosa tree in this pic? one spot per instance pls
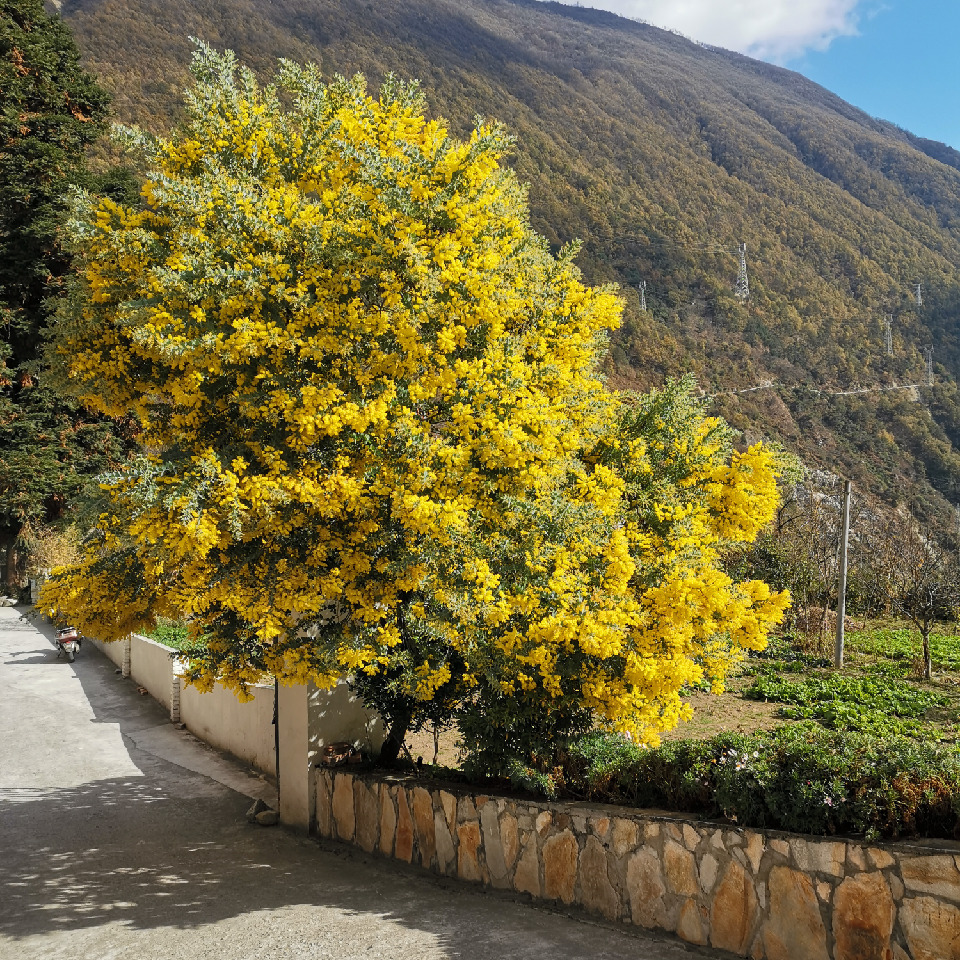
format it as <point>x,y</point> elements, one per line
<point>375,440</point>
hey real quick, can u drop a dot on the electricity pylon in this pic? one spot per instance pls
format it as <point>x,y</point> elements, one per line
<point>743,283</point>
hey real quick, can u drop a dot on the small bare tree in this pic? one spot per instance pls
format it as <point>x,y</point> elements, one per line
<point>919,577</point>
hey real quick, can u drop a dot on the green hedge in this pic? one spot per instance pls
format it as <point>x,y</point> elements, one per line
<point>800,778</point>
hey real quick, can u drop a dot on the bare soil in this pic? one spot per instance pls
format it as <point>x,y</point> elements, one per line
<point>726,712</point>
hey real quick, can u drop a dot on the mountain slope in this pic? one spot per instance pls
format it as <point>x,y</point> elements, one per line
<point>663,155</point>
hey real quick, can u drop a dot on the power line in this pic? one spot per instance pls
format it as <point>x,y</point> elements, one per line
<point>666,241</point>
<point>642,287</point>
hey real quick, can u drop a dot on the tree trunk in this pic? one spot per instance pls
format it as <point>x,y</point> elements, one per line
<point>927,660</point>
<point>393,744</point>
<point>390,751</point>
<point>9,540</point>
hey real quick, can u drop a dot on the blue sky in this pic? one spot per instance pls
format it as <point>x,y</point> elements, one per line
<point>904,66</point>
<point>895,59</point>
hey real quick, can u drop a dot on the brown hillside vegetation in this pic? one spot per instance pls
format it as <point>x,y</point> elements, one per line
<point>662,156</point>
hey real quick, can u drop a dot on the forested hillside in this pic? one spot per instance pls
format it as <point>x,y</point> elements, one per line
<point>663,156</point>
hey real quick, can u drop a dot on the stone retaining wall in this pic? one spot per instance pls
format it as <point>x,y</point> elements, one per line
<point>760,894</point>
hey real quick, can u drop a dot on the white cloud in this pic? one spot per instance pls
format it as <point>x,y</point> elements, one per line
<point>768,29</point>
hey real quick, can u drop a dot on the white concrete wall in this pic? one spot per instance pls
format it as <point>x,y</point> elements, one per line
<point>312,719</point>
<point>112,651</point>
<point>337,715</point>
<point>296,782</point>
<point>243,729</point>
<point>151,666</point>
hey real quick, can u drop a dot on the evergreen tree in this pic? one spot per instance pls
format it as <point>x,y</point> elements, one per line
<point>50,111</point>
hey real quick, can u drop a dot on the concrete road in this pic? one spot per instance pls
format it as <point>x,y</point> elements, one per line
<point>121,836</point>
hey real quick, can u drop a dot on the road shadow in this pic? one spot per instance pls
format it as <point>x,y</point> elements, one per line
<point>164,847</point>
<point>135,852</point>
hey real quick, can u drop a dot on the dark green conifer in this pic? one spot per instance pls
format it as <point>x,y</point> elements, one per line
<point>51,110</point>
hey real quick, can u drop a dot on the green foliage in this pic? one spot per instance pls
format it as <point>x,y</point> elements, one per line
<point>50,111</point>
<point>860,755</point>
<point>876,704</point>
<point>800,778</point>
<point>172,633</point>
<point>901,644</point>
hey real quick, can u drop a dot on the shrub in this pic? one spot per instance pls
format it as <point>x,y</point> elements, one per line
<point>800,778</point>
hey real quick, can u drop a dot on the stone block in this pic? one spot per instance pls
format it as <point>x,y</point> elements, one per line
<point>424,822</point>
<point>691,837</point>
<point>801,854</point>
<point>708,872</point>
<point>646,890</point>
<point>734,910</point>
<point>388,821</point>
<point>324,805</point>
<point>794,927</point>
<point>509,839</point>
<point>596,891</point>
<point>625,835</point>
<point>449,803</point>
<point>856,858</point>
<point>880,858</point>
<point>544,820</point>
<point>560,866</point>
<point>828,857</point>
<point>690,924</point>
<point>404,846</point>
<point>343,813</point>
<point>468,846</point>
<point>896,887</point>
<point>600,826</point>
<point>493,846</point>
<point>367,814</point>
<point>932,929</point>
<point>936,875</point>
<point>863,914</point>
<point>651,831</point>
<point>754,850</point>
<point>680,868</point>
<point>446,854</point>
<point>466,810</point>
<point>526,878</point>
<point>781,847</point>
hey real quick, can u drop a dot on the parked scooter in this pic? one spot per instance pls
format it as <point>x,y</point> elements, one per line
<point>68,643</point>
